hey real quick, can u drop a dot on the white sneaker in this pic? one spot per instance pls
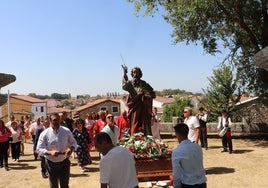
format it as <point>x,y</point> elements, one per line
<point>82,169</point>
<point>161,183</point>
<point>149,184</point>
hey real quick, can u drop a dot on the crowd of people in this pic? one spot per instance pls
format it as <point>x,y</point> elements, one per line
<point>56,137</point>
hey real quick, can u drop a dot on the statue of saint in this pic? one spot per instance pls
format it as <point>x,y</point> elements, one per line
<point>139,101</point>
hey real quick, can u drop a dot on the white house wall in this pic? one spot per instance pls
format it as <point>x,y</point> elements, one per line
<point>157,104</point>
<point>36,110</point>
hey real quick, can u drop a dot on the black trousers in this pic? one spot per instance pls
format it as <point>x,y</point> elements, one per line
<point>3,153</point>
<point>43,165</point>
<point>202,185</point>
<point>203,137</point>
<point>58,173</point>
<point>15,150</point>
<point>227,141</point>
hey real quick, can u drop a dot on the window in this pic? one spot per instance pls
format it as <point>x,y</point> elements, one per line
<point>36,109</point>
<point>42,109</point>
<point>115,109</point>
<point>103,108</point>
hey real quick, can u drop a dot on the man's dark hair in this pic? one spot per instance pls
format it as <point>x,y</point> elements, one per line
<point>53,114</point>
<point>102,137</point>
<point>181,129</point>
<point>201,109</point>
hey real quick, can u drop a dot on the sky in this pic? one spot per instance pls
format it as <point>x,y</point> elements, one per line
<point>78,46</point>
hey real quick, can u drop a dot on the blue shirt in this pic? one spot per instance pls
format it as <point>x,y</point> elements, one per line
<point>51,140</point>
<point>187,164</point>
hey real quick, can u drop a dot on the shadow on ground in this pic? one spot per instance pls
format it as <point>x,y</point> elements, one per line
<point>214,147</point>
<point>219,170</point>
<point>241,151</point>
<point>79,175</point>
<point>21,166</point>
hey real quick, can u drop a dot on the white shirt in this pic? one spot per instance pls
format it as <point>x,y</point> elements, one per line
<point>113,134</point>
<point>192,123</point>
<point>223,121</point>
<point>187,164</point>
<point>52,140</point>
<point>117,168</point>
<point>16,135</point>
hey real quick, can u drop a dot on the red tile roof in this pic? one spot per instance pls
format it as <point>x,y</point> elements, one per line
<point>27,98</point>
<point>164,100</point>
<point>96,102</point>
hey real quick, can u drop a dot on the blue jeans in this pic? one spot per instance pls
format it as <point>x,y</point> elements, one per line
<point>58,172</point>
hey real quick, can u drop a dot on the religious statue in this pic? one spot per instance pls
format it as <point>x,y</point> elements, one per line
<point>139,101</point>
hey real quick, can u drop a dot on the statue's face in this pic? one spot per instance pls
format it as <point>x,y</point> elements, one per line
<point>135,73</point>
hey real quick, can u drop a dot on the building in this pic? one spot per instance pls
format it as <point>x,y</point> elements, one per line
<point>161,102</point>
<point>22,105</point>
<point>112,106</point>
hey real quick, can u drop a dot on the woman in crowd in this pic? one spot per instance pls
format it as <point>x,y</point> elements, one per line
<point>89,124</point>
<point>5,133</point>
<point>82,138</point>
<point>16,140</point>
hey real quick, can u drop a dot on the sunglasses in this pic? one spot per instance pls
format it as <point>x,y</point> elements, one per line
<point>185,111</point>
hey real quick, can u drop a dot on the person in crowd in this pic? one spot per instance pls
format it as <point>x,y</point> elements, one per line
<point>111,129</point>
<point>193,124</point>
<point>100,123</point>
<point>15,144</point>
<point>82,138</point>
<point>66,121</point>
<point>202,116</point>
<point>33,127</point>
<point>156,124</point>
<point>56,144</point>
<point>89,124</point>
<point>139,101</point>
<point>27,124</point>
<point>11,119</point>
<point>39,130</point>
<point>21,125</point>
<point>8,125</point>
<point>123,124</point>
<point>117,166</point>
<point>187,161</point>
<point>226,123</point>
<point>5,133</point>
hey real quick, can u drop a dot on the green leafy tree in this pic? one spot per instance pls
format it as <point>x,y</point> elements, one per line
<point>58,96</point>
<point>223,92</point>
<point>175,109</point>
<point>238,25</point>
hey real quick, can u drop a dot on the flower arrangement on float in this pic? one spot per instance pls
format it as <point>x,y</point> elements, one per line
<point>145,147</point>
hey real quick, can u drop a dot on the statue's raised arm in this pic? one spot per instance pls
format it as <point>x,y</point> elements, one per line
<point>125,72</point>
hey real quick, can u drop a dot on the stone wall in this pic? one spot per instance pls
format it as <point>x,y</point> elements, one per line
<point>238,128</point>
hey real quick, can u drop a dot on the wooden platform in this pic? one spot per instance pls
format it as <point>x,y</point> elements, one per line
<point>154,170</point>
<point>154,175</point>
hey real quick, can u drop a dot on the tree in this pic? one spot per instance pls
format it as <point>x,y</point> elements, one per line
<point>175,109</point>
<point>223,91</point>
<point>239,25</point>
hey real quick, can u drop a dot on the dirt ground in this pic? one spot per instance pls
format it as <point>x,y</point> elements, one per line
<point>246,167</point>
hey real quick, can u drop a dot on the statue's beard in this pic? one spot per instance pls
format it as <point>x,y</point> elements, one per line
<point>135,82</point>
